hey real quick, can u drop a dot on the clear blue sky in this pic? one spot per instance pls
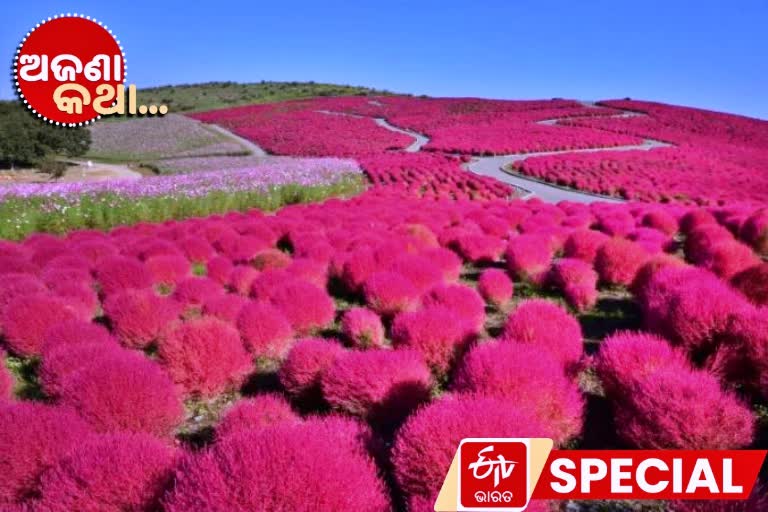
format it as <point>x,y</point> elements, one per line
<point>700,53</point>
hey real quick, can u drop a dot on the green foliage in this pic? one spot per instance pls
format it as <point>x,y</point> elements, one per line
<point>20,217</point>
<point>26,140</point>
<point>213,95</point>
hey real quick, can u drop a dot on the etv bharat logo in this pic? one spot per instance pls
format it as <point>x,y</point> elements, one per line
<point>493,474</point>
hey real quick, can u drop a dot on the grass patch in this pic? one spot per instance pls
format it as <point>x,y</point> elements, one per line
<point>22,216</point>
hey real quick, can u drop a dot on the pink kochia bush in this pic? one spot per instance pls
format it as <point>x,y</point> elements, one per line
<point>629,355</point>
<point>683,410</point>
<point>362,328</point>
<point>321,465</point>
<point>548,326</point>
<point>618,261</point>
<point>62,360</point>
<point>426,443</point>
<point>753,283</point>
<point>265,330</point>
<point>109,473</point>
<point>27,318</point>
<point>302,370</point>
<point>584,244</point>
<point>260,411</point>
<point>308,308</point>
<point>119,273</point>
<point>403,381</point>
<point>138,317</point>
<point>528,257</point>
<point>124,392</point>
<point>462,301</point>
<point>32,437</point>
<point>577,280</point>
<point>533,379</point>
<point>205,356</point>
<point>495,287</point>
<point>74,331</point>
<point>388,293</point>
<point>435,332</point>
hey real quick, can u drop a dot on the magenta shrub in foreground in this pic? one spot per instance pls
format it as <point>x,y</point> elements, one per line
<point>530,378</point>
<point>260,411</point>
<point>301,371</point>
<point>403,381</point>
<point>27,318</point>
<point>426,443</point>
<point>109,473</point>
<point>124,392</point>
<point>265,330</point>
<point>32,437</point>
<point>316,467</point>
<point>362,328</point>
<point>205,356</point>
<point>548,326</point>
<point>138,317</point>
<point>495,287</point>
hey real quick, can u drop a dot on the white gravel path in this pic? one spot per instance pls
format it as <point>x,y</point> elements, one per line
<point>250,146</point>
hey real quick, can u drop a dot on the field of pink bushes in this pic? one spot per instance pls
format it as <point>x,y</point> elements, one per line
<point>331,356</point>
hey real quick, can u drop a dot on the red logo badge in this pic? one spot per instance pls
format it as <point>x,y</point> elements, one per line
<point>493,474</point>
<point>64,64</point>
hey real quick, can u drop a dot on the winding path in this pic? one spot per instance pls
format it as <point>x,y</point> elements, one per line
<point>495,166</point>
<point>250,146</point>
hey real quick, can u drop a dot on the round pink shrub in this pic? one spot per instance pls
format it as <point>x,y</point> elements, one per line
<point>302,369</point>
<point>138,317</point>
<point>388,293</point>
<point>548,326</point>
<point>230,476</point>
<point>268,283</point>
<point>528,257</point>
<point>583,244</point>
<point>16,265</point>
<point>219,269</point>
<point>357,267</point>
<point>478,248</point>
<point>205,356</point>
<point>628,356</point>
<point>533,379</point>
<point>27,318</point>
<point>194,291</point>
<point>109,473</point>
<point>435,332</point>
<point>265,330</point>
<point>742,352</point>
<point>427,442</point>
<point>753,283</point>
<point>13,286</point>
<point>446,260</point>
<point>729,258</point>
<point>755,231</point>
<point>696,218</point>
<point>700,241</point>
<point>258,412</point>
<point>662,221</point>
<point>462,301</point>
<point>33,436</point>
<point>577,280</point>
<point>118,274</point>
<point>168,269</point>
<point>124,392</point>
<point>618,261</point>
<point>403,382</point>
<point>196,248</point>
<point>308,308</point>
<point>649,269</point>
<point>270,259</point>
<point>419,270</point>
<point>75,331</point>
<point>241,279</point>
<point>310,270</point>
<point>495,287</point>
<point>61,360</point>
<point>226,307</point>
<point>699,312</point>
<point>362,328</point>
<point>673,409</point>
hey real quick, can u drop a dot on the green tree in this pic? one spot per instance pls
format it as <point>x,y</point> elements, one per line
<point>26,140</point>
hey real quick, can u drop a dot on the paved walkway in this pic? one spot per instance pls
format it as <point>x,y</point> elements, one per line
<point>250,146</point>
